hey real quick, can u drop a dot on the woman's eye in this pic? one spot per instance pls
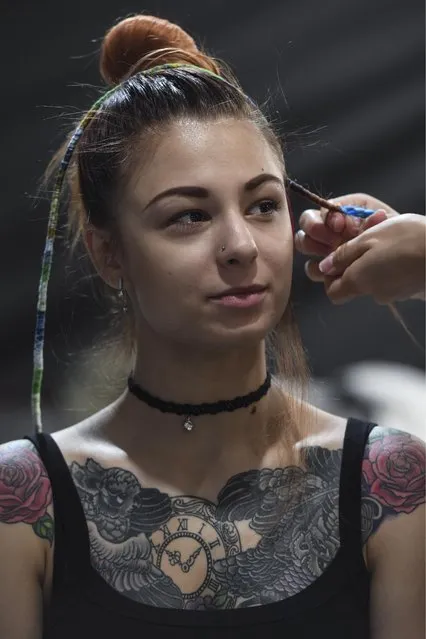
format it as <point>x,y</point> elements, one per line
<point>265,208</point>
<point>189,218</point>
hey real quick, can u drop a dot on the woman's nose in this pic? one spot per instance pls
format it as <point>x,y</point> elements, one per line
<point>238,245</point>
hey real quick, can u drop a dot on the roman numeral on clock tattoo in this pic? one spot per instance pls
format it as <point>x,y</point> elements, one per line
<point>165,530</point>
<point>183,523</point>
<point>214,585</point>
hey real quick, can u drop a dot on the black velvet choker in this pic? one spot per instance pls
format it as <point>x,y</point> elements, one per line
<point>206,408</point>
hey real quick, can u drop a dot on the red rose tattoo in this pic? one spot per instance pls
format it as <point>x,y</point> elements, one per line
<point>25,491</point>
<point>394,469</point>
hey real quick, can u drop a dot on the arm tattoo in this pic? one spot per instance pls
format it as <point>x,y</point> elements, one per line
<point>393,477</point>
<point>25,491</point>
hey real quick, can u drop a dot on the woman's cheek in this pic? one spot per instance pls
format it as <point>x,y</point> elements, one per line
<point>282,272</point>
<point>281,260</point>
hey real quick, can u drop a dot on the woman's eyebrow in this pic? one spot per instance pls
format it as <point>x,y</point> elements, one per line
<point>191,191</point>
<point>201,192</point>
<point>260,179</point>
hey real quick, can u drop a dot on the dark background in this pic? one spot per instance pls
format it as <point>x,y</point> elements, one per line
<point>345,79</point>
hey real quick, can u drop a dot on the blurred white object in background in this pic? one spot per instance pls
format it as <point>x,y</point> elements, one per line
<point>387,393</point>
<point>395,393</point>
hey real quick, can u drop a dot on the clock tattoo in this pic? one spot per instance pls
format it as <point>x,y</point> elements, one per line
<point>187,546</point>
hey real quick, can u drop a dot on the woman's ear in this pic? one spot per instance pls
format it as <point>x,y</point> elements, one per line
<point>104,255</point>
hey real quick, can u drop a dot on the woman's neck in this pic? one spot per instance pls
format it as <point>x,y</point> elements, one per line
<point>194,377</point>
<point>218,446</point>
<point>182,377</point>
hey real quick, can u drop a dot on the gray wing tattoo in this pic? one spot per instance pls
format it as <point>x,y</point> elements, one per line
<point>296,513</point>
<point>128,568</point>
<point>121,516</point>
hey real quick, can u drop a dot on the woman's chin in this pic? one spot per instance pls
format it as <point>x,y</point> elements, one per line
<point>242,334</point>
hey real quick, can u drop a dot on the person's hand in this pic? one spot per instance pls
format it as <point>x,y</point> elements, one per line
<point>322,231</point>
<point>395,270</point>
<point>386,262</point>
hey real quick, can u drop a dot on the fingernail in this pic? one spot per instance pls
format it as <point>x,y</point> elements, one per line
<point>334,220</point>
<point>327,264</point>
<point>331,218</point>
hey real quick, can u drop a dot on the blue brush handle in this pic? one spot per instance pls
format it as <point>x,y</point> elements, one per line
<point>357,211</point>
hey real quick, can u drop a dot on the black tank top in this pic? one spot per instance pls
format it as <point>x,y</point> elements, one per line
<point>83,605</point>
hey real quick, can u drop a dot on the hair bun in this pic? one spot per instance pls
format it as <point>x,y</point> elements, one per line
<point>134,38</point>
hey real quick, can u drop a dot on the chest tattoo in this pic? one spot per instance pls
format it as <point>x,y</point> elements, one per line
<point>270,533</point>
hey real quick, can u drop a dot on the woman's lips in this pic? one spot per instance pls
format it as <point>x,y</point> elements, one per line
<point>240,300</point>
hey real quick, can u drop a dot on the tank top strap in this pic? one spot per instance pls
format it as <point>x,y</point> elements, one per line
<point>355,440</point>
<point>72,547</point>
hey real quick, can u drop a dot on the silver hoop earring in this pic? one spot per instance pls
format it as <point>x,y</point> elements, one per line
<point>122,295</point>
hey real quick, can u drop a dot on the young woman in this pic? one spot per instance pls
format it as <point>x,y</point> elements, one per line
<point>208,500</point>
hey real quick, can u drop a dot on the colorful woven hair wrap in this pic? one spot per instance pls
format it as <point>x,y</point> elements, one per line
<point>39,335</point>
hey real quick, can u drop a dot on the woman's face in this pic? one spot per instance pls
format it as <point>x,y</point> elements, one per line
<point>207,185</point>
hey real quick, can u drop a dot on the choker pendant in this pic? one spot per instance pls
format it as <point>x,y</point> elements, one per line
<point>188,424</point>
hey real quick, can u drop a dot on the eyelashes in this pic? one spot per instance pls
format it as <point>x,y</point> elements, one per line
<point>271,206</point>
<point>179,219</point>
<point>265,208</point>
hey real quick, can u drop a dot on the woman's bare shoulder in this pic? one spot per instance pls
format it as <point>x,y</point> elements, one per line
<point>26,532</point>
<point>26,508</point>
<point>393,472</point>
<point>86,438</point>
<point>25,490</point>
<point>323,429</point>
